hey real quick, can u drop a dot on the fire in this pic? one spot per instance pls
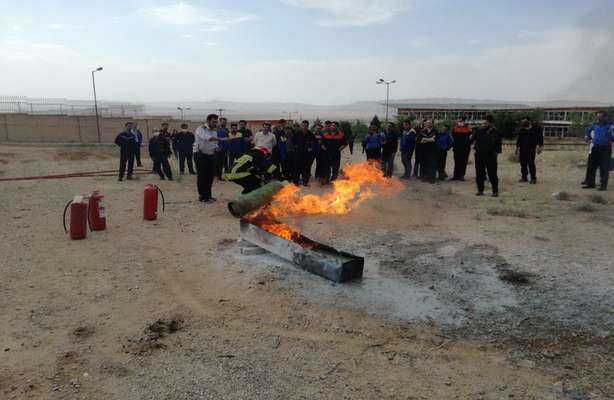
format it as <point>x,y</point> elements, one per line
<point>361,182</point>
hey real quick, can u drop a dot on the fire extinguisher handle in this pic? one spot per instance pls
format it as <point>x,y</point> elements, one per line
<point>64,216</point>
<point>162,195</point>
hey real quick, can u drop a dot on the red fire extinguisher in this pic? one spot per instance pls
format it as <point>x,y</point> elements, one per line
<point>97,216</point>
<point>78,218</point>
<point>150,202</point>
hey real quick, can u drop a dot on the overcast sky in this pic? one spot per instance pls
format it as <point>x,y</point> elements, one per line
<point>311,51</point>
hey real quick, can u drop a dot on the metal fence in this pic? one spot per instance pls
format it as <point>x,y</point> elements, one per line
<point>48,106</point>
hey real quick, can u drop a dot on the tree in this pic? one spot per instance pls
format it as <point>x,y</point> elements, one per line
<point>578,126</point>
<point>506,122</point>
<point>375,121</point>
<point>346,128</point>
<point>359,130</point>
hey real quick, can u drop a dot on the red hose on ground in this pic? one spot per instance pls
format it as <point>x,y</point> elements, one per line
<point>90,174</point>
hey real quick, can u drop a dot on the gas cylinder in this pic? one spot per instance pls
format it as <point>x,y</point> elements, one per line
<point>150,202</point>
<point>78,218</point>
<point>96,212</point>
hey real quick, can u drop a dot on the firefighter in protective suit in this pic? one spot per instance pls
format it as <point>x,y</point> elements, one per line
<point>252,169</point>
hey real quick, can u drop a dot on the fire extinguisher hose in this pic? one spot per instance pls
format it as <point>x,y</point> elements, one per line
<point>64,217</point>
<point>162,195</point>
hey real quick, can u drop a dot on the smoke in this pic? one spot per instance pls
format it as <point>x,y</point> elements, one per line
<point>595,56</point>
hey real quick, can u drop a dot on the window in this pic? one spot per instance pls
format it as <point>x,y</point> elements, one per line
<point>554,116</point>
<point>556,131</point>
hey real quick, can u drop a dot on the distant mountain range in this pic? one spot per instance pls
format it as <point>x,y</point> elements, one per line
<point>357,110</point>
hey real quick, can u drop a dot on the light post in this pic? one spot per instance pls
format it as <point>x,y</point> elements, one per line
<point>182,109</point>
<point>220,111</point>
<point>289,114</point>
<point>96,102</point>
<point>381,81</point>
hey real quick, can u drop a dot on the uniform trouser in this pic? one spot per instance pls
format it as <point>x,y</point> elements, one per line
<point>461,159</point>
<point>388,163</point>
<point>527,163</point>
<point>126,158</point>
<point>406,160</point>
<point>351,147</point>
<point>333,163</point>
<point>301,167</point>
<point>599,159</point>
<point>374,154</point>
<point>287,166</point>
<point>137,155</point>
<point>185,157</point>
<point>428,166</point>
<point>320,163</point>
<point>161,165</point>
<point>442,156</point>
<point>418,162</point>
<point>205,170</point>
<point>221,163</point>
<point>249,183</point>
<point>486,163</point>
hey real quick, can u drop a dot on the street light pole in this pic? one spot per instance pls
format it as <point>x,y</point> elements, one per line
<point>182,109</point>
<point>96,103</point>
<point>381,81</point>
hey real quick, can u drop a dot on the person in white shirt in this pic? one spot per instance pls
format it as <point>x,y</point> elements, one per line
<point>265,137</point>
<point>205,144</point>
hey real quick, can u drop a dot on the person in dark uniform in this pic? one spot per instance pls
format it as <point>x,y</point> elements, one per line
<point>303,141</point>
<point>333,143</point>
<point>221,153</point>
<point>287,153</point>
<point>487,144</point>
<point>127,145</point>
<point>247,134</point>
<point>139,142</point>
<point>408,145</point>
<point>600,135</point>
<point>461,134</point>
<point>237,145</point>
<point>529,143</point>
<point>444,143</point>
<point>419,159</point>
<point>252,169</point>
<point>389,149</point>
<point>372,144</point>
<point>184,144</point>
<point>160,151</point>
<point>427,148</point>
<point>318,151</point>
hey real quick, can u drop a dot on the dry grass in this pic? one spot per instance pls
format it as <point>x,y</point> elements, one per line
<point>597,199</point>
<point>507,212</point>
<point>584,207</point>
<point>81,155</point>
<point>563,196</point>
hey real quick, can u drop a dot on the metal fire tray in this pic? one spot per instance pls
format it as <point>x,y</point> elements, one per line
<point>309,255</point>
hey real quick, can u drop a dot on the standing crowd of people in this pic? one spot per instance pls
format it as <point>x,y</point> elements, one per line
<point>288,152</point>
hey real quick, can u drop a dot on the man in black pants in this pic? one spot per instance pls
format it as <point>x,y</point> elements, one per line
<point>530,142</point>
<point>139,142</point>
<point>460,135</point>
<point>205,144</point>
<point>427,146</point>
<point>160,151</point>
<point>487,147</point>
<point>333,142</point>
<point>127,147</point>
<point>389,149</point>
<point>184,144</point>
<point>600,135</point>
<point>303,141</point>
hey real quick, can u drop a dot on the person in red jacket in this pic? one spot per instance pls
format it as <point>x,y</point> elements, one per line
<point>333,142</point>
<point>462,148</point>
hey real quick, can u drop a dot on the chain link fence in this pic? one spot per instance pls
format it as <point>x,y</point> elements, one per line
<point>53,106</point>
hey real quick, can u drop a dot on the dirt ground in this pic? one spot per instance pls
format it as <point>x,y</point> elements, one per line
<point>463,297</point>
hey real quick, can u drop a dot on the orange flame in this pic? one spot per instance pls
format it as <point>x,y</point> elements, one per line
<point>360,182</point>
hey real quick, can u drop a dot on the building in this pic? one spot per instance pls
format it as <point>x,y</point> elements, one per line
<point>556,122</point>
